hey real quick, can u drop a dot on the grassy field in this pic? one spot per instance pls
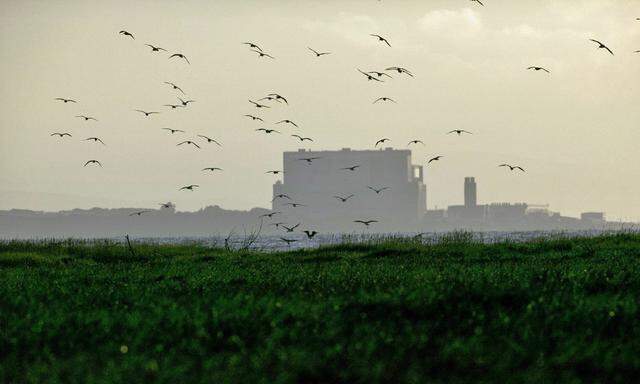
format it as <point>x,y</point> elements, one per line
<point>564,310</point>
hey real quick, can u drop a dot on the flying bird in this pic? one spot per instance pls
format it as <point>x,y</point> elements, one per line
<point>384,99</point>
<point>436,158</point>
<point>279,97</point>
<point>145,112</point>
<point>270,215</point>
<point>258,105</point>
<point>210,140</point>
<point>186,102</point>
<point>352,168</point>
<point>188,142</point>
<point>180,55</point>
<point>380,74</point>
<point>63,134</point>
<point>309,160</point>
<point>477,1</point>
<point>173,130</point>
<point>415,142</point>
<point>295,205</point>
<point>290,229</point>
<point>278,224</point>
<point>190,187</point>
<point>65,100</point>
<point>302,138</point>
<point>512,167</point>
<point>174,106</point>
<point>288,241</point>
<point>275,172</point>
<point>155,49</point>
<point>265,130</point>
<point>381,141</point>
<point>95,140</point>
<point>262,54</point>
<point>93,162</point>
<point>166,205</point>
<point>365,222</point>
<point>174,86</point>
<point>602,46</point>
<point>287,121</point>
<point>380,38</point>
<point>125,33</point>
<point>369,77</point>
<point>254,118</point>
<point>212,169</point>
<point>343,199</point>
<point>459,132</point>
<point>281,196</point>
<point>318,54</point>
<point>310,234</point>
<point>400,70</point>
<point>139,213</point>
<point>87,118</point>
<point>253,45</point>
<point>539,69</point>
<point>378,190</point>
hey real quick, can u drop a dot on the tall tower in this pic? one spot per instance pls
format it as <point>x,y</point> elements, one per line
<point>470,194</point>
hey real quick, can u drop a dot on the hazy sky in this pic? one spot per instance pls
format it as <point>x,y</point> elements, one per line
<point>576,131</point>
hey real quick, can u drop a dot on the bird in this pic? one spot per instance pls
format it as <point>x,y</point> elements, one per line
<point>512,167</point>
<point>380,38</point>
<point>188,142</point>
<point>318,54</point>
<point>189,187</point>
<point>459,132</point>
<point>287,121</point>
<point>87,118</point>
<point>343,199</point>
<point>415,142</point>
<point>600,45</point>
<point>155,49</point>
<point>400,70</point>
<point>365,222</point>
<point>65,100</point>
<point>270,215</point>
<point>174,86</point>
<point>276,172</point>
<point>267,130</point>
<point>262,54</point>
<point>378,190</point>
<point>145,112</point>
<point>258,105</point>
<point>310,234</point>
<point>253,45</point>
<point>369,77</point>
<point>288,241</point>
<point>436,158</point>
<point>270,98</point>
<point>180,55</point>
<point>173,130</point>
<point>210,140</point>
<point>139,213</point>
<point>166,205</point>
<point>212,169</point>
<point>380,74</point>
<point>290,229</point>
<point>125,33</point>
<point>295,205</point>
<point>186,102</point>
<point>539,69</point>
<point>384,99</point>
<point>351,168</point>
<point>278,224</point>
<point>254,118</point>
<point>93,162</point>
<point>281,196</point>
<point>95,140</point>
<point>381,141</point>
<point>302,138</point>
<point>279,97</point>
<point>637,51</point>
<point>309,160</point>
<point>174,106</point>
<point>63,134</point>
<point>477,1</point>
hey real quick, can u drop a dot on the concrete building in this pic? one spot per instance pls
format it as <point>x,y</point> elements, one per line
<point>470,192</point>
<point>316,178</point>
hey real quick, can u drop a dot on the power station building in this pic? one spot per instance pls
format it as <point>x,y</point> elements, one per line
<point>318,179</point>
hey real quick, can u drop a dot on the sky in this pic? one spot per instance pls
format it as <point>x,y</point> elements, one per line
<point>576,130</point>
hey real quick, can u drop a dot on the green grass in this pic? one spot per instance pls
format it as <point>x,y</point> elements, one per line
<point>563,310</point>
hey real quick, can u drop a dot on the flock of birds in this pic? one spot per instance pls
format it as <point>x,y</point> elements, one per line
<point>266,102</point>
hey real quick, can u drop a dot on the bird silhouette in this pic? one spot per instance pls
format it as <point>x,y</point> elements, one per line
<point>290,229</point>
<point>287,121</point>
<point>310,234</point>
<point>415,142</point>
<point>147,114</point>
<point>252,45</point>
<point>278,224</point>
<point>539,69</point>
<point>173,86</point>
<point>281,196</point>
<point>279,97</point>
<point>258,105</point>
<point>188,142</point>
<point>400,70</point>
<point>302,138</point>
<point>512,167</point>
<point>352,168</point>
<point>186,102</point>
<point>365,222</point>
<point>477,1</point>
<point>212,169</point>
<point>369,77</point>
<point>275,172</point>
<point>343,199</point>
<point>380,38</point>
<point>63,134</point>
<point>95,140</point>
<point>381,141</point>
<point>189,187</point>
<point>180,55</point>
<point>87,118</point>
<point>459,132</point>
<point>309,160</point>
<point>378,190</point>
<point>602,46</point>
<point>65,100</point>
<point>383,99</point>
<point>210,140</point>
<point>268,131</point>
<point>173,130</point>
<point>270,215</point>
<point>295,205</point>
<point>166,205</point>
<point>155,49</point>
<point>174,106</point>
<point>288,241</point>
<point>380,74</point>
<point>93,162</point>
<point>436,158</point>
<point>318,54</point>
<point>254,118</point>
<point>125,33</point>
<point>139,213</point>
<point>262,54</point>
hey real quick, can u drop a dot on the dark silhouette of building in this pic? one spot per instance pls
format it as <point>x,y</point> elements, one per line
<point>470,193</point>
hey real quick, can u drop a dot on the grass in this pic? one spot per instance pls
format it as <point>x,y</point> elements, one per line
<point>556,310</point>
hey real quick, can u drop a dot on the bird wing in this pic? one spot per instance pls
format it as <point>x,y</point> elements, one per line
<point>313,50</point>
